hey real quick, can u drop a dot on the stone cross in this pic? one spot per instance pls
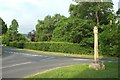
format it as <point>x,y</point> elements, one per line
<point>95,44</point>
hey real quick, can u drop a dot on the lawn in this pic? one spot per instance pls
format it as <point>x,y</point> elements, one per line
<point>80,71</point>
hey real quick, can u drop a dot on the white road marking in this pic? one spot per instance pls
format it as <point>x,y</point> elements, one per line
<point>81,59</point>
<point>30,54</point>
<point>16,65</point>
<point>26,54</point>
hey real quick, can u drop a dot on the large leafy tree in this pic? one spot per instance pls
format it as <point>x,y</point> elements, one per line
<point>102,14</point>
<point>21,38</point>
<point>6,38</point>
<point>13,30</point>
<point>109,39</point>
<point>3,31</point>
<point>3,27</point>
<point>44,28</point>
<point>72,30</point>
<point>96,11</point>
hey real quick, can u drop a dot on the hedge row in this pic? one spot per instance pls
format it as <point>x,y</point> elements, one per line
<point>16,44</point>
<point>53,47</point>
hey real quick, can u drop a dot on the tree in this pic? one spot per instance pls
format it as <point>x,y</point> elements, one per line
<point>3,27</point>
<point>101,14</point>
<point>109,40</point>
<point>13,30</point>
<point>6,38</point>
<point>72,30</point>
<point>44,28</point>
<point>21,38</point>
<point>96,11</point>
<point>31,35</point>
<point>118,12</point>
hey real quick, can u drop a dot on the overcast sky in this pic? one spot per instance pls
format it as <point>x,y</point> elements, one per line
<point>27,12</point>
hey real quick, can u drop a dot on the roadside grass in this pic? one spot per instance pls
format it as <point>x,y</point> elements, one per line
<point>0,45</point>
<point>1,52</point>
<point>58,53</point>
<point>0,40</point>
<point>78,71</point>
<point>67,54</point>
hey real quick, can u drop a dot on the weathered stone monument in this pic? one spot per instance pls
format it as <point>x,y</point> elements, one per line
<point>97,64</point>
<point>95,44</point>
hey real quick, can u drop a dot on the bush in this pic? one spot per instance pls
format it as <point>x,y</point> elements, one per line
<point>64,47</point>
<point>17,44</point>
<point>109,41</point>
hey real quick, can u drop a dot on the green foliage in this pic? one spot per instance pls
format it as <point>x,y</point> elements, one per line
<point>0,40</point>
<point>21,37</point>
<point>43,46</point>
<point>87,10</point>
<point>13,30</point>
<point>6,38</point>
<point>12,34</point>
<point>109,40</point>
<point>64,47</point>
<point>3,27</point>
<point>44,28</point>
<point>73,30</point>
<point>17,44</point>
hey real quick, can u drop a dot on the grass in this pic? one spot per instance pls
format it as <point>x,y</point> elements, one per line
<point>79,71</point>
<point>0,40</point>
<point>59,53</point>
<point>68,54</point>
<point>0,51</point>
<point>0,45</point>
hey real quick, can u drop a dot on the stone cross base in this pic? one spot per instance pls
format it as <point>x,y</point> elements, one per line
<point>97,66</point>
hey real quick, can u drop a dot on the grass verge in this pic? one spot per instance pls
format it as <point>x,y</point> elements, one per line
<point>59,53</point>
<point>67,54</point>
<point>79,71</point>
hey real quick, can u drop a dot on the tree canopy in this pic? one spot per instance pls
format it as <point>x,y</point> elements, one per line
<point>3,27</point>
<point>44,28</point>
<point>96,11</point>
<point>13,30</point>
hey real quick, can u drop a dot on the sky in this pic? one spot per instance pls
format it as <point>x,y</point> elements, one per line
<point>27,12</point>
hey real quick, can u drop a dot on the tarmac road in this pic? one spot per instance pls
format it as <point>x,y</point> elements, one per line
<point>20,63</point>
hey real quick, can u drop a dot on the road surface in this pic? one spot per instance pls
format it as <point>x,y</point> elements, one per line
<point>20,63</point>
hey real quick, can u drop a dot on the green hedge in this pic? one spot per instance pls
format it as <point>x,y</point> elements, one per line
<point>17,44</point>
<point>64,47</point>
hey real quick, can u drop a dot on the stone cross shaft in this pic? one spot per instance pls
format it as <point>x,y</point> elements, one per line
<point>95,44</point>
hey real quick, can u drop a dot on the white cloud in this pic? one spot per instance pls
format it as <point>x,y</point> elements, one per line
<point>27,12</point>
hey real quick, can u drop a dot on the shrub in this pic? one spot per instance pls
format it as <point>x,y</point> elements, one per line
<point>109,40</point>
<point>64,47</point>
<point>17,44</point>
